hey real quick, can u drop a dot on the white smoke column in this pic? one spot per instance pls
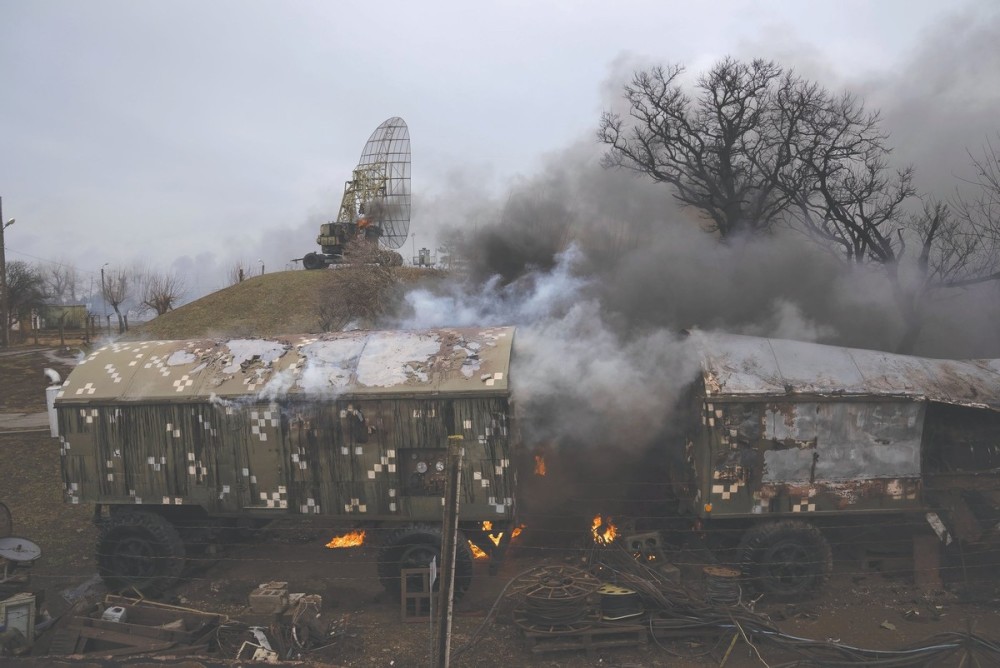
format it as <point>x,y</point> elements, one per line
<point>573,375</point>
<point>532,298</point>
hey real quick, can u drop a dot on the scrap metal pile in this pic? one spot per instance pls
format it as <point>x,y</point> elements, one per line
<point>118,626</point>
<point>623,599</point>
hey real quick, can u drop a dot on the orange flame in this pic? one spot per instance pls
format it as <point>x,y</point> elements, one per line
<point>476,552</point>
<point>539,465</point>
<point>495,537</point>
<point>603,531</point>
<point>351,539</point>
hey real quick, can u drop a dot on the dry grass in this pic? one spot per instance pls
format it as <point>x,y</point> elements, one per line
<point>288,302</point>
<point>30,480</point>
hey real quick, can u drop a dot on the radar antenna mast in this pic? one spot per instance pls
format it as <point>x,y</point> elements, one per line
<point>375,207</point>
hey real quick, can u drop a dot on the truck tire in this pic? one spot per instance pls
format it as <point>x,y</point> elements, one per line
<point>785,560</point>
<point>414,547</point>
<point>388,258</point>
<point>141,550</point>
<point>313,261</point>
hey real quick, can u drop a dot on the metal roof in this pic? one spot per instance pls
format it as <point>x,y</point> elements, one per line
<point>743,366</point>
<point>325,366</point>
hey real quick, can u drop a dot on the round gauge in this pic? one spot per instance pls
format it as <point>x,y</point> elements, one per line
<point>421,467</point>
<point>439,466</point>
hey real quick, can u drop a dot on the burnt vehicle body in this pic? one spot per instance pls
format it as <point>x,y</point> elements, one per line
<point>788,440</point>
<point>170,439</point>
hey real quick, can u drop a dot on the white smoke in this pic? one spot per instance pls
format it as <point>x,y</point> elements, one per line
<point>573,373</point>
<point>532,298</point>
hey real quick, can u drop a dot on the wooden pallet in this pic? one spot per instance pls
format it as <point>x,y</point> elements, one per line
<point>150,628</point>
<point>599,636</point>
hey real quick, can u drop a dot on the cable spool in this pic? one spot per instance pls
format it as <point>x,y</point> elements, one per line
<point>722,585</point>
<point>619,603</point>
<point>555,598</point>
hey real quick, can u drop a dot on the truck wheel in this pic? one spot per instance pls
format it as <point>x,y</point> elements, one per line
<point>141,550</point>
<point>388,258</point>
<point>415,547</point>
<point>313,261</point>
<point>785,560</point>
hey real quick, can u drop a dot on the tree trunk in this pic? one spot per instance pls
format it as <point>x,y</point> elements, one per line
<point>121,320</point>
<point>911,334</point>
<point>908,303</point>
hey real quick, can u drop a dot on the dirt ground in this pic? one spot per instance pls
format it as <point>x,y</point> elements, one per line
<point>861,607</point>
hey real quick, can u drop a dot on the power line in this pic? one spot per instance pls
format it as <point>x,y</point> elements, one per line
<point>93,272</point>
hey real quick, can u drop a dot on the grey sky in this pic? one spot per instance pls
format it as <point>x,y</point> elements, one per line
<point>193,133</point>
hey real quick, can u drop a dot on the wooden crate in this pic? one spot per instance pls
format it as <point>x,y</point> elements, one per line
<point>415,594</point>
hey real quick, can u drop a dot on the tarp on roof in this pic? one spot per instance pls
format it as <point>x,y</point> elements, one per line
<point>745,366</point>
<point>456,361</point>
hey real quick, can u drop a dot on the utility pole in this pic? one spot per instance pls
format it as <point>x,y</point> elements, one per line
<point>4,311</point>
<point>449,544</point>
<point>104,298</point>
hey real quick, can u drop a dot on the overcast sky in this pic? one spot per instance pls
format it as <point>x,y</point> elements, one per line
<point>189,134</point>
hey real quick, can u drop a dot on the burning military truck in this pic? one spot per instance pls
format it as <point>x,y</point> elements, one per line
<point>787,442</point>
<point>784,444</point>
<point>170,439</point>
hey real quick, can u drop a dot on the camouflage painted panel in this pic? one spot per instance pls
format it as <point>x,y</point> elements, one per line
<point>805,457</point>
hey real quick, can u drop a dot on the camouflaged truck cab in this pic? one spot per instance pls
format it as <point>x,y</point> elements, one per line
<point>171,440</point>
<point>790,443</point>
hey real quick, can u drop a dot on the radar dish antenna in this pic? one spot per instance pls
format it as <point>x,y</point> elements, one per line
<point>376,201</point>
<point>380,185</point>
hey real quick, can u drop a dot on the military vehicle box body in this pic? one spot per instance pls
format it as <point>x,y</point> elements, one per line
<point>788,428</point>
<point>353,424</point>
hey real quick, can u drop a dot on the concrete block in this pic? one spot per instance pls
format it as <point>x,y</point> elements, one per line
<point>270,598</point>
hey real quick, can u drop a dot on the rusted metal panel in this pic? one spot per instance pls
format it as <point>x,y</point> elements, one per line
<point>832,442</point>
<point>812,457</point>
<point>744,366</point>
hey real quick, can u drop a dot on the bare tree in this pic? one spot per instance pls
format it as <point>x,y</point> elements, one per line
<point>25,292</point>
<point>366,287</point>
<point>973,245</point>
<point>857,204</point>
<point>846,195</point>
<point>159,292</point>
<point>722,151</point>
<point>843,191</point>
<point>758,146</point>
<point>117,289</point>
<point>62,282</point>
<point>238,272</point>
